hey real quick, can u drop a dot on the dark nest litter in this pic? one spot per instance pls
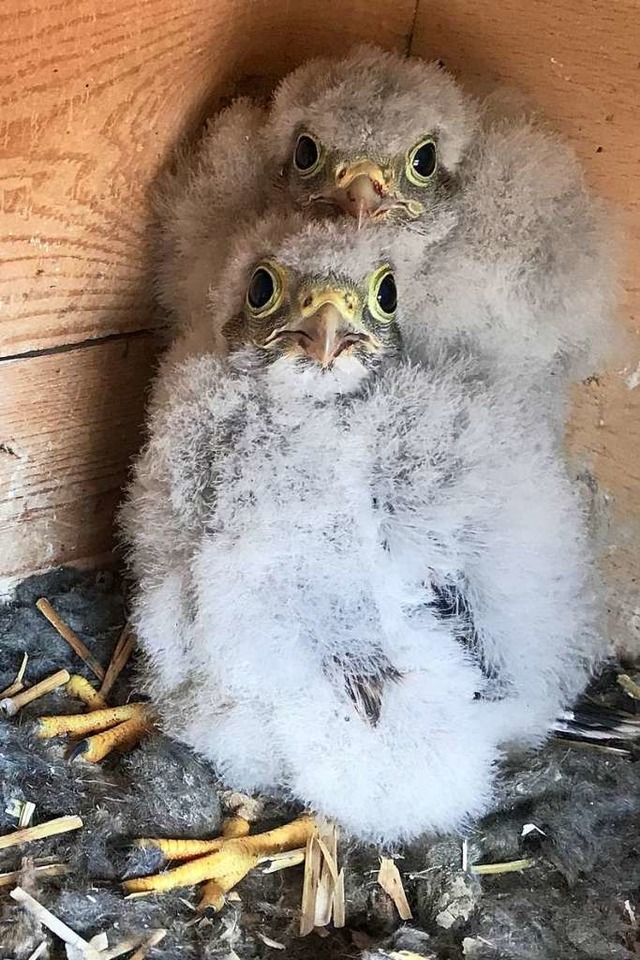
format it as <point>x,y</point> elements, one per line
<point>569,812</point>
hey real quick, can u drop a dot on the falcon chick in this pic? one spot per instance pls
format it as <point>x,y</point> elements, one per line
<point>498,242</point>
<point>512,253</point>
<point>314,523</point>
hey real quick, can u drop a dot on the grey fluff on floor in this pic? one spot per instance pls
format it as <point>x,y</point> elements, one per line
<point>570,905</point>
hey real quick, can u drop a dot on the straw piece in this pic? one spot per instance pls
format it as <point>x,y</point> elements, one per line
<point>48,870</point>
<point>72,639</point>
<point>39,950</point>
<point>80,689</point>
<point>509,866</point>
<point>27,810</point>
<point>629,686</point>
<point>10,705</point>
<point>152,941</point>
<point>339,911</point>
<point>49,829</point>
<point>312,867</point>
<point>328,843</point>
<point>391,882</point>
<point>52,922</point>
<point>124,648</point>
<point>281,861</point>
<point>125,946</point>
<point>17,684</point>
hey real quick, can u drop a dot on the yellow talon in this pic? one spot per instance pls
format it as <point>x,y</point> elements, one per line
<point>181,849</point>
<point>81,689</point>
<point>229,864</point>
<point>92,722</point>
<point>121,737</point>
<point>232,828</point>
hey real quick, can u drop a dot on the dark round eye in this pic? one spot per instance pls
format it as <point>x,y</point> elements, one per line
<point>422,162</point>
<point>387,295</point>
<point>262,288</point>
<point>307,154</point>
<point>383,296</point>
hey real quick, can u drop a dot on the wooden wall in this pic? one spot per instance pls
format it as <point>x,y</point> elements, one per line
<point>94,93</point>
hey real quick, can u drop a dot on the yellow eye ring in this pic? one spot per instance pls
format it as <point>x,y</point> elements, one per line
<point>265,289</point>
<point>383,297</point>
<point>308,155</point>
<point>422,162</point>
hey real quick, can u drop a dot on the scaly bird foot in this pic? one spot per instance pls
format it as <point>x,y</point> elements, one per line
<point>110,728</point>
<point>230,859</point>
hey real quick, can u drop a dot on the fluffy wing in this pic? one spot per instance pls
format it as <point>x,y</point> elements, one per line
<point>201,203</point>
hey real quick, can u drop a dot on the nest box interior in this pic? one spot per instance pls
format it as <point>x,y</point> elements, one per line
<point>96,95</point>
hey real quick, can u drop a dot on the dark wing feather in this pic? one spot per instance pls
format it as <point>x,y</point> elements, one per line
<point>365,684</point>
<point>450,603</point>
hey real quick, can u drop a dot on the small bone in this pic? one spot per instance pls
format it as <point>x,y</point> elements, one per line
<point>11,705</point>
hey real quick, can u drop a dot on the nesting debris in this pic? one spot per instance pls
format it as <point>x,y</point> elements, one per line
<point>323,887</point>
<point>630,687</point>
<point>121,655</point>
<point>45,870</point>
<point>11,705</point>
<point>491,869</point>
<point>72,639</point>
<point>49,829</point>
<point>53,923</point>
<point>22,810</point>
<point>17,684</point>
<point>391,882</point>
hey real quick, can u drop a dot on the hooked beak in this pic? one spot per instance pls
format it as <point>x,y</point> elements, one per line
<point>360,189</point>
<point>325,327</point>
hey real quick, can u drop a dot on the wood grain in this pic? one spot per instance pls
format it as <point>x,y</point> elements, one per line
<point>69,423</point>
<point>92,95</point>
<point>579,64</point>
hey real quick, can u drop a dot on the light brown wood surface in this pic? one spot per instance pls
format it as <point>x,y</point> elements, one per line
<point>579,64</point>
<point>70,421</point>
<point>94,94</point>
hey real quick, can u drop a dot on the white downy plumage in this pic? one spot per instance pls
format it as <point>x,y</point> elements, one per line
<point>291,528</point>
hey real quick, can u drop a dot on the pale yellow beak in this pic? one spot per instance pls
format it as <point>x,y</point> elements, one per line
<point>360,189</point>
<point>326,326</point>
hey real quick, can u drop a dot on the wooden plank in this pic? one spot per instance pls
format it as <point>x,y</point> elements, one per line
<point>93,93</point>
<point>578,63</point>
<point>69,424</point>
